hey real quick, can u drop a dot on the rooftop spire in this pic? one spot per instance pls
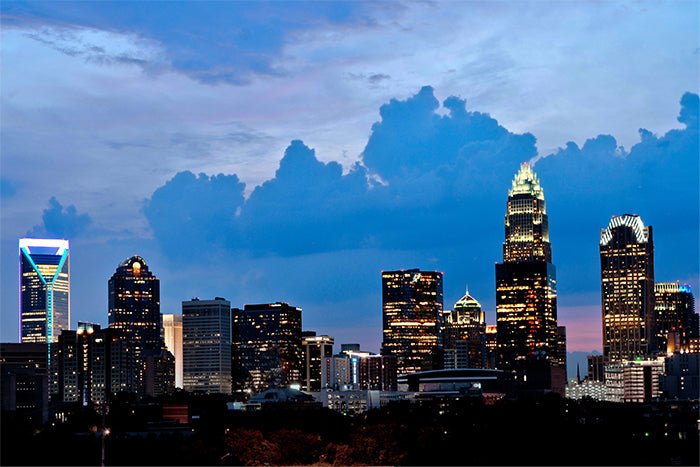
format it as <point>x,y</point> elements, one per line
<point>526,182</point>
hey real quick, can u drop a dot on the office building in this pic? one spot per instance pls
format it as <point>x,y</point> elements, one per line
<point>206,345</point>
<point>412,302</point>
<point>316,349</point>
<point>596,368</point>
<point>681,379</point>
<point>172,335</point>
<point>588,388</point>
<point>267,346</point>
<point>674,310</point>
<point>24,382</point>
<point>526,293</point>
<point>634,380</point>
<point>337,373</point>
<point>93,365</point>
<point>561,348</point>
<point>464,335</point>
<point>627,288</point>
<point>491,342</point>
<point>134,310</point>
<point>44,283</point>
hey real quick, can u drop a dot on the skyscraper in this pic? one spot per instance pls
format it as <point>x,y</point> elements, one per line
<point>526,297</point>
<point>412,302</point>
<point>267,346</point>
<point>315,348</point>
<point>627,288</point>
<point>464,335</point>
<point>134,310</point>
<point>206,345</point>
<point>44,302</point>
<point>676,319</point>
<point>172,334</point>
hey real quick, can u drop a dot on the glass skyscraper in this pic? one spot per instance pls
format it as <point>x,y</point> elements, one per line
<point>627,288</point>
<point>267,346</point>
<point>676,319</point>
<point>44,282</point>
<point>412,301</point>
<point>526,293</point>
<point>134,310</point>
<point>206,346</point>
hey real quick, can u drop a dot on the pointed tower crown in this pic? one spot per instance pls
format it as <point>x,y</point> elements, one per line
<point>526,182</point>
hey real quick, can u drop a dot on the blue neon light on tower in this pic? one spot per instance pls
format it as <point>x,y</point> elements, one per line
<point>44,289</point>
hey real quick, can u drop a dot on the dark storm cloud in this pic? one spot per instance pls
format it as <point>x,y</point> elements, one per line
<point>61,222</point>
<point>443,183</point>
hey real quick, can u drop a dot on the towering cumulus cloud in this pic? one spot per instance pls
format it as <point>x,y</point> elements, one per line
<point>435,180</point>
<point>61,222</point>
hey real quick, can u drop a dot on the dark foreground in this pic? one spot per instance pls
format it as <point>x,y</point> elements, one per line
<point>550,431</point>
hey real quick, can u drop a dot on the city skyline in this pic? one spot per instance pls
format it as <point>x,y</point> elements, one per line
<point>438,149</point>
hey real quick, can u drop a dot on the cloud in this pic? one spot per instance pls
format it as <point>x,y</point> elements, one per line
<point>61,222</point>
<point>189,213</point>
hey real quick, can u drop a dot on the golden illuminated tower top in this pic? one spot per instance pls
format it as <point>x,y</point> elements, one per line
<point>526,223</point>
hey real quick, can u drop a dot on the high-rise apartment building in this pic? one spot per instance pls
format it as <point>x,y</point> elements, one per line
<point>526,293</point>
<point>464,335</point>
<point>134,310</point>
<point>267,346</point>
<point>676,319</point>
<point>315,348</point>
<point>206,345</point>
<point>44,283</point>
<point>172,335</point>
<point>412,301</point>
<point>627,288</point>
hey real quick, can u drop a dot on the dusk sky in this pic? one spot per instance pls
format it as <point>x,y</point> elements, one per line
<point>290,151</point>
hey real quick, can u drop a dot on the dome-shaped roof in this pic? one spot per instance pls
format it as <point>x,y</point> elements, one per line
<point>127,263</point>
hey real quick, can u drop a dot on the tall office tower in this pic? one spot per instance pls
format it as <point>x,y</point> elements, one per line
<point>627,288</point>
<point>464,335</point>
<point>526,297</point>
<point>206,345</point>
<point>561,348</point>
<point>134,309</point>
<point>412,302</point>
<point>676,319</point>
<point>44,282</point>
<point>315,348</point>
<point>491,345</point>
<point>172,334</point>
<point>267,346</point>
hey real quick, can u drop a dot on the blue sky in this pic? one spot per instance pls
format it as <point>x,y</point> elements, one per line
<point>292,150</point>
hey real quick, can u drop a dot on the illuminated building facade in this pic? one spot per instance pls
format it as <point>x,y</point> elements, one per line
<point>464,335</point>
<point>627,288</point>
<point>172,335</point>
<point>316,349</point>
<point>93,364</point>
<point>588,388</point>
<point>336,373</point>
<point>412,304</point>
<point>634,380</point>
<point>267,346</point>
<point>676,319</point>
<point>134,309</point>
<point>526,297</point>
<point>44,301</point>
<point>206,345</point>
<point>491,342</point>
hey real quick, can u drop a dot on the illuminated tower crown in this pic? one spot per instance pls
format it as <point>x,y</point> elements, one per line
<point>526,223</point>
